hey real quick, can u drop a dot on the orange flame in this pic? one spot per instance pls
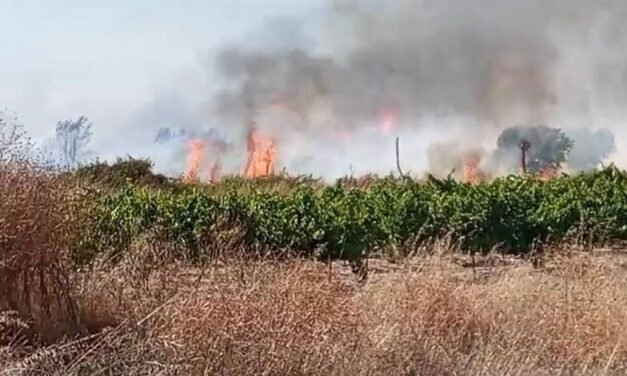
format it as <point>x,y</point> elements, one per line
<point>548,173</point>
<point>471,173</point>
<point>215,171</point>
<point>194,160</point>
<point>261,155</point>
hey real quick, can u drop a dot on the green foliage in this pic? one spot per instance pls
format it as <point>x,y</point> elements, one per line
<point>340,221</point>
<point>122,172</point>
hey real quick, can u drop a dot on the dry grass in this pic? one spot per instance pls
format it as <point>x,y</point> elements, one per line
<point>425,317</point>
<point>429,315</point>
<point>35,232</point>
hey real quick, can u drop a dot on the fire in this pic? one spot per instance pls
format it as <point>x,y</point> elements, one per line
<point>194,161</point>
<point>547,173</point>
<point>215,170</point>
<point>261,154</point>
<point>471,173</point>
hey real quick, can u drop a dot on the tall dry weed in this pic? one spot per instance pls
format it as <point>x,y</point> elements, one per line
<point>35,230</point>
<point>430,316</point>
<point>251,317</point>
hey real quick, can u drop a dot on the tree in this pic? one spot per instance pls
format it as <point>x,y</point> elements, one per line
<point>72,138</point>
<point>167,134</point>
<point>549,147</point>
<point>14,143</point>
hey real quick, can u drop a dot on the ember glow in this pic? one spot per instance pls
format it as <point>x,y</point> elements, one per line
<point>262,154</point>
<point>388,117</point>
<point>548,173</point>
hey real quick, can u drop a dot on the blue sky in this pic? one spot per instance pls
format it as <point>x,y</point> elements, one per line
<point>107,58</point>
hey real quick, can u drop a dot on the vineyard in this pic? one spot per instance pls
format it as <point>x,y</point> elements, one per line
<point>351,219</point>
<point>113,269</point>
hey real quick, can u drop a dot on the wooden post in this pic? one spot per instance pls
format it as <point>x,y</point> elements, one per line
<point>398,160</point>
<point>524,147</point>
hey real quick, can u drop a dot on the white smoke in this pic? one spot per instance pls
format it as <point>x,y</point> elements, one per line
<point>458,73</point>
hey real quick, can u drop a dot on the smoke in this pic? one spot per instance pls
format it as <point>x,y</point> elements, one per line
<point>462,70</point>
<point>594,147</point>
<point>446,158</point>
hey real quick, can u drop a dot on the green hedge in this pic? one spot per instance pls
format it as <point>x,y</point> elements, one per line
<point>510,213</point>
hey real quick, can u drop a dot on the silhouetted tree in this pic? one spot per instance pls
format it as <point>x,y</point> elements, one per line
<point>549,147</point>
<point>72,138</point>
<point>14,142</point>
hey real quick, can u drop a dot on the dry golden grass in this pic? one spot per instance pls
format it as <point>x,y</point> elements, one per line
<point>429,316</point>
<point>35,230</point>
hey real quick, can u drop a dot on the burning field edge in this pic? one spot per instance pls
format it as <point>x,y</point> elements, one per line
<point>113,269</point>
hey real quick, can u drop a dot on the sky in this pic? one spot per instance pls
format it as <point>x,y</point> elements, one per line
<point>106,59</point>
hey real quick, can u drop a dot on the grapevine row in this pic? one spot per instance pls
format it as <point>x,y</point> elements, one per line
<point>512,213</point>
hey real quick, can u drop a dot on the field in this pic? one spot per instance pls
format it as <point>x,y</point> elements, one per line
<point>114,270</point>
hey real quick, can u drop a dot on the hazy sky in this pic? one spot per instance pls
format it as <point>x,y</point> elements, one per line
<point>133,66</point>
<point>108,58</point>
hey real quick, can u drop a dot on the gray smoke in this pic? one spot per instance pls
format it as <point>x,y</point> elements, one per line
<point>464,69</point>
<point>592,147</point>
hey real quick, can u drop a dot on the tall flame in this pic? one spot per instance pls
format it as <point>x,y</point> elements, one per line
<point>262,154</point>
<point>194,161</point>
<point>215,171</point>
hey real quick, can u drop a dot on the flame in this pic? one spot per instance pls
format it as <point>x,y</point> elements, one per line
<point>194,159</point>
<point>215,171</point>
<point>471,173</point>
<point>261,155</point>
<point>548,173</point>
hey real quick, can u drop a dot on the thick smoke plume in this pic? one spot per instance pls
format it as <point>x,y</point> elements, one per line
<point>446,76</point>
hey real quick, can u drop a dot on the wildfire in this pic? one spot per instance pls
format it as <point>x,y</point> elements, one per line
<point>261,154</point>
<point>194,160</point>
<point>547,173</point>
<point>471,173</point>
<point>215,170</point>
